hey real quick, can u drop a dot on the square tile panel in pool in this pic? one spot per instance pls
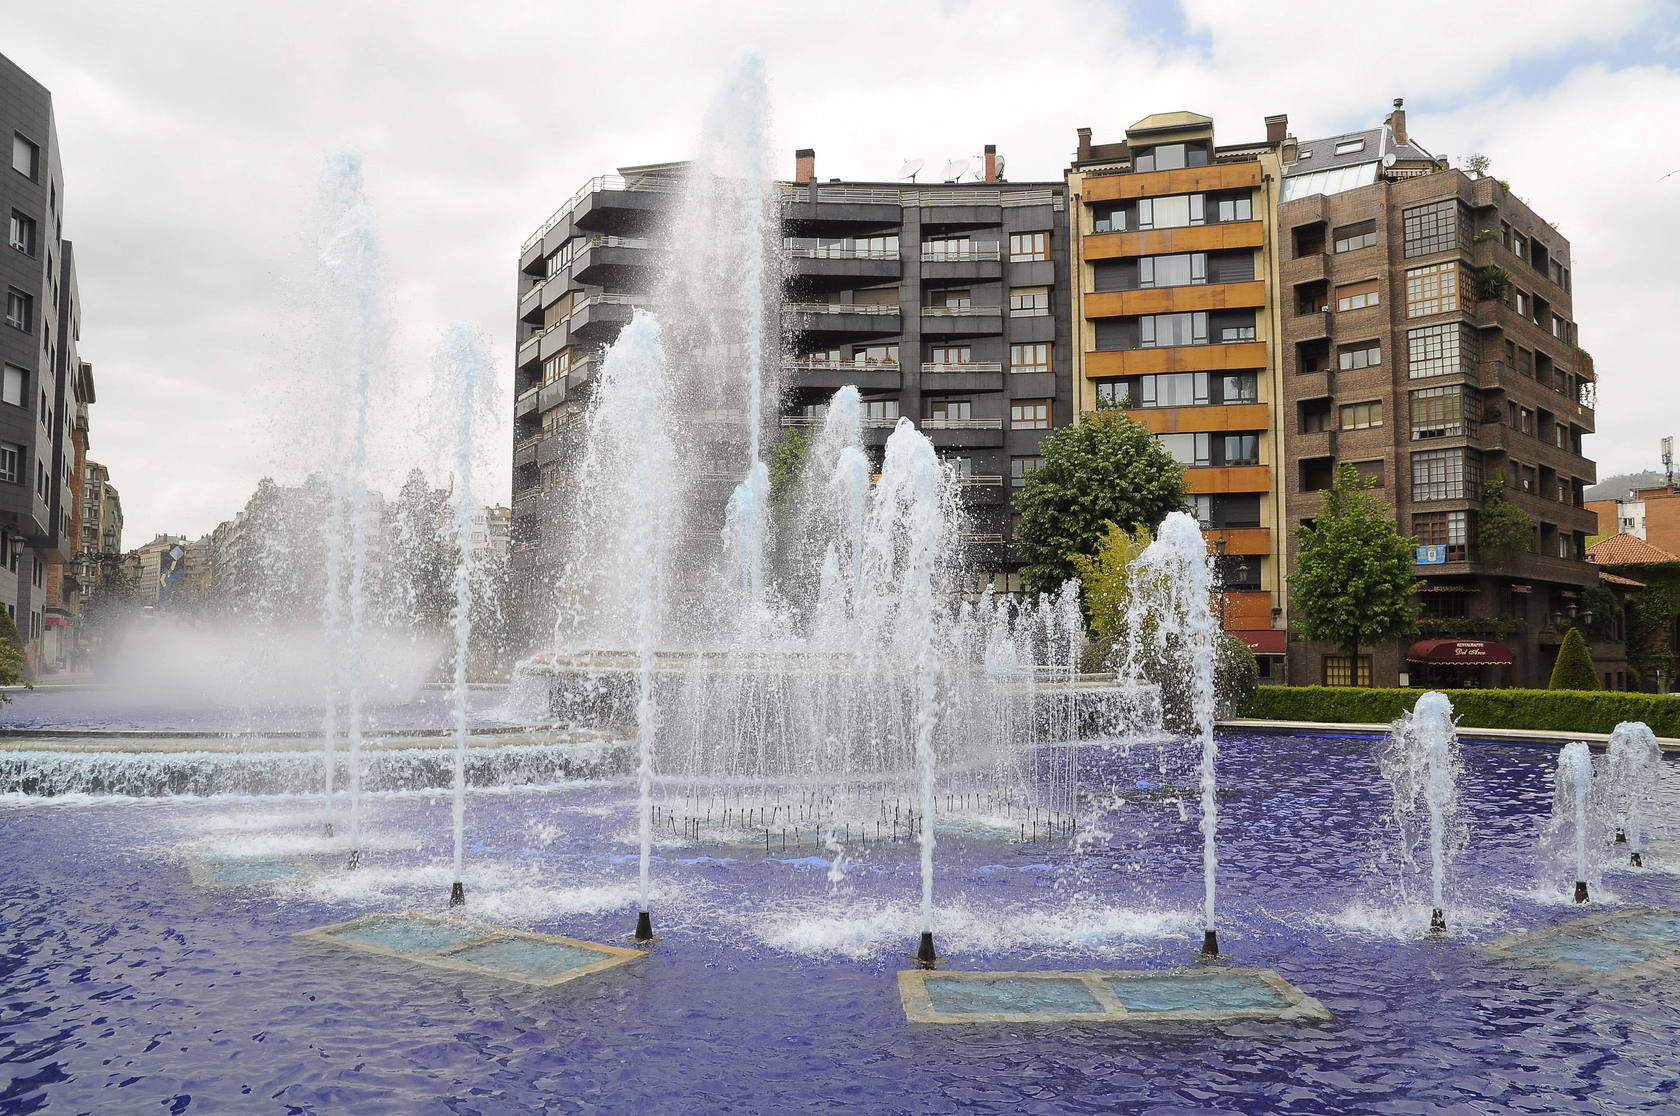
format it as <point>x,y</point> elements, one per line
<point>224,872</point>
<point>1637,942</point>
<point>1207,994</point>
<point>446,941</point>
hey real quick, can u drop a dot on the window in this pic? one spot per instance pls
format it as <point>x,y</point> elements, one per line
<point>1432,289</point>
<point>950,410</point>
<point>948,248</point>
<point>1170,156</point>
<point>1525,304</point>
<point>880,409</point>
<point>1361,416</point>
<point>20,310</point>
<point>875,354</point>
<point>1188,449</point>
<point>1185,270</point>
<point>1351,238</point>
<point>1239,387</point>
<point>1437,227</point>
<point>11,463</point>
<point>1240,449</point>
<point>1029,302</point>
<point>1444,475</point>
<point>23,233</point>
<point>1449,529</point>
<point>1350,146</point>
<point>1338,672</point>
<point>1315,416</point>
<point>14,388</point>
<point>1020,468</point>
<point>1031,247</point>
<point>1161,330</point>
<point>1365,354</point>
<point>1108,218</point>
<point>1173,212</point>
<point>1234,209</point>
<point>1440,412</point>
<point>1033,357</point>
<point>951,354</point>
<point>1030,414</point>
<point>1357,296</point>
<point>26,157</point>
<point>951,298</point>
<point>1440,350</point>
<point>1227,510</point>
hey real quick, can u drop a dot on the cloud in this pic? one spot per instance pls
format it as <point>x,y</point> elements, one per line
<point>193,133</point>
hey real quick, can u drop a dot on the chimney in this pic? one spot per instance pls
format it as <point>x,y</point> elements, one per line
<point>805,164</point>
<point>1397,120</point>
<point>991,163</point>
<point>1289,150</point>
<point>1276,128</point>
<point>1084,144</point>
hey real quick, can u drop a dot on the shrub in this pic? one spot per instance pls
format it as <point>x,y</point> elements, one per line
<point>1542,710</point>
<point>13,663</point>
<point>1574,667</point>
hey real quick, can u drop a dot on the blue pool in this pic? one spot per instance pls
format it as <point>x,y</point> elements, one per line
<point>125,988</point>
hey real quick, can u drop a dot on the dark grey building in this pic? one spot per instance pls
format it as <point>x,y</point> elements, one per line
<point>940,301</point>
<point>38,348</point>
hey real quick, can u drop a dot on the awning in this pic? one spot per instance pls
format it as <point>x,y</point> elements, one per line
<point>1461,652</point>
<point>1265,641</point>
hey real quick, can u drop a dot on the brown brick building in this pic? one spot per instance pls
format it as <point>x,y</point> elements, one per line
<point>1428,338</point>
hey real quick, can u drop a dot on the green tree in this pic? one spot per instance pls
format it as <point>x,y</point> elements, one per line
<point>1107,469</point>
<point>12,660</point>
<point>1574,667</point>
<point>1503,530</point>
<point>1355,582</point>
<point>788,454</point>
<point>1105,583</point>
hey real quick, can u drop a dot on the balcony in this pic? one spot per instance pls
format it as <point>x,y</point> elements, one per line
<point>983,490</point>
<point>598,319</point>
<point>963,433</point>
<point>974,375</point>
<point>831,375</point>
<point>1171,300</point>
<point>1160,242</point>
<point>606,200</point>
<point>1204,418</point>
<point>1241,355</point>
<point>837,261</point>
<point>961,261</point>
<point>961,321</point>
<point>525,402</point>
<point>528,349</point>
<point>1184,180</point>
<point>1312,267</point>
<point>1201,480</point>
<point>611,261</point>
<point>530,304</point>
<point>842,319</point>
<point>1241,540</point>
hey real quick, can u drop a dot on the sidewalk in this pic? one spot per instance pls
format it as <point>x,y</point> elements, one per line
<point>1467,732</point>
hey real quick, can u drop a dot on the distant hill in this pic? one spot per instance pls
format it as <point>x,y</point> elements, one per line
<point>1619,485</point>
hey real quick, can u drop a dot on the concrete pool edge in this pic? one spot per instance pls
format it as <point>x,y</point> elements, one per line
<point>1465,732</point>
<point>1296,1005</point>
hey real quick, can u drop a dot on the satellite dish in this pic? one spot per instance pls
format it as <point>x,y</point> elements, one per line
<point>1388,159</point>
<point>955,169</point>
<point>910,168</point>
<point>1000,166</point>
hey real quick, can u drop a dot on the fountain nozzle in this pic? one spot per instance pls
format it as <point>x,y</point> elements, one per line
<point>644,927</point>
<point>1636,859</point>
<point>1580,891</point>
<point>1621,836</point>
<point>327,829</point>
<point>457,894</point>
<point>1210,944</point>
<point>1437,921</point>
<point>926,957</point>
<point>355,860</point>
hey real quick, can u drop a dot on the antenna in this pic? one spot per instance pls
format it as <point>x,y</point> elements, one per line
<point>955,169</point>
<point>911,168</point>
<point>1000,168</point>
<point>1668,459</point>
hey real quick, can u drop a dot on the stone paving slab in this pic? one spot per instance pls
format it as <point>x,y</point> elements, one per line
<point>1206,994</point>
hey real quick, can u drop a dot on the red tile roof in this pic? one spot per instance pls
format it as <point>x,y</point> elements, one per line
<point>1628,550</point>
<point>1612,579</point>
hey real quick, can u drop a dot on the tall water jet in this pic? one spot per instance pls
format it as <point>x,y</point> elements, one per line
<point>1572,785</point>
<point>351,328</point>
<point>463,382</point>
<point>1632,772</point>
<point>1421,762</point>
<point>1170,617</point>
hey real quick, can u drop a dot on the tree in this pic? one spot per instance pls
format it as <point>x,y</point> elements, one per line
<point>1503,530</point>
<point>1574,667</point>
<point>1105,583</point>
<point>1106,470</point>
<point>1355,582</point>
<point>12,660</point>
<point>788,455</point>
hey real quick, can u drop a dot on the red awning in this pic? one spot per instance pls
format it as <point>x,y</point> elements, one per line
<point>1266,641</point>
<point>1461,652</point>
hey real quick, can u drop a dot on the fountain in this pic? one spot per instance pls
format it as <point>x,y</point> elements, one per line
<point>1572,793</point>
<point>1420,761</point>
<point>1632,773</point>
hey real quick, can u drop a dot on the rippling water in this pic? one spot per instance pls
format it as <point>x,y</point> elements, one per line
<point>772,989</point>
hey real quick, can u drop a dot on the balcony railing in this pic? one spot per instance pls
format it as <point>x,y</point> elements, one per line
<point>954,366</point>
<point>960,311</point>
<point>617,242</point>
<point>530,343</point>
<point>812,248</point>
<point>837,308</point>
<point>645,183</point>
<point>980,538</point>
<point>911,197</point>
<point>961,424</point>
<point>818,420</point>
<point>938,252</point>
<point>530,296</point>
<point>808,365</point>
<point>981,480</point>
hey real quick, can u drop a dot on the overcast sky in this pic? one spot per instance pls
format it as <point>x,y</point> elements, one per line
<point>193,134</point>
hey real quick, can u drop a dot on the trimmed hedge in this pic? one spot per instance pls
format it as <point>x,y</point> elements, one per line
<point>1553,710</point>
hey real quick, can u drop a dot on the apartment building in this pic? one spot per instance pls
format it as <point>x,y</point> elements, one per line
<point>1173,283</point>
<point>939,301</point>
<point>1428,338</point>
<point>1651,514</point>
<point>38,358</point>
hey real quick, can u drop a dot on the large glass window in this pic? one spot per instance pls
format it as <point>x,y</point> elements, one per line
<point>1237,510</point>
<point>950,410</point>
<point>1240,449</point>
<point>20,310</point>
<point>1440,350</point>
<point>1240,208</point>
<point>1031,357</point>
<point>1361,416</point>
<point>1450,529</point>
<point>1440,412</point>
<point>1020,468</point>
<point>1170,156</point>
<point>1351,238</point>
<point>1362,354</point>
<point>1188,449</point>
<point>23,233</point>
<point>1030,414</point>
<point>881,410</point>
<point>1157,331</point>
<point>1438,227</point>
<point>1432,289</point>
<point>1029,302</point>
<point>14,389</point>
<point>948,248</point>
<point>1108,218</point>
<point>950,354</point>
<point>1184,270</point>
<point>1445,475</point>
<point>26,157</point>
<point>1029,247</point>
<point>1239,387</point>
<point>1357,296</point>
<point>1172,212</point>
